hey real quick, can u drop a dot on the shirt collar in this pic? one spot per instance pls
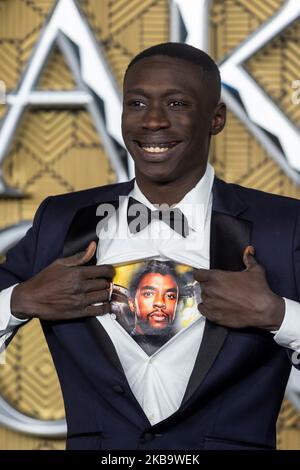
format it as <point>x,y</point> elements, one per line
<point>194,204</point>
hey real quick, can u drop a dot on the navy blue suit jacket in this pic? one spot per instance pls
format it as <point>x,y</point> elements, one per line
<point>239,378</point>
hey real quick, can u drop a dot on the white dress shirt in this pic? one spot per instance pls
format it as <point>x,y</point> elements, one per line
<point>159,381</point>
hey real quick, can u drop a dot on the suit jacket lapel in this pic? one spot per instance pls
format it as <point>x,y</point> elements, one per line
<point>228,237</point>
<point>83,226</point>
<point>81,232</point>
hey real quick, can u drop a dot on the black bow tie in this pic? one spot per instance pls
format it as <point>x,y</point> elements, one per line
<point>139,216</point>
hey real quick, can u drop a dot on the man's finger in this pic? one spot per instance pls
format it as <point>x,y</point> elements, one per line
<point>96,310</point>
<point>202,275</point>
<point>202,309</point>
<point>106,271</point>
<point>96,297</point>
<point>248,257</point>
<point>82,257</point>
<point>94,285</point>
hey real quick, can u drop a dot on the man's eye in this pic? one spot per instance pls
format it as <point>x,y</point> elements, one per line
<point>175,104</point>
<point>137,104</point>
<point>148,294</point>
<point>172,296</point>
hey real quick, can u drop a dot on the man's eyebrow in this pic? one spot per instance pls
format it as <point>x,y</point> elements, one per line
<point>174,91</point>
<point>172,289</point>
<point>141,91</point>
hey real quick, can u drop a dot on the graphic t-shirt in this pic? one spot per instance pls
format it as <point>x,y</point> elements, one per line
<point>153,300</point>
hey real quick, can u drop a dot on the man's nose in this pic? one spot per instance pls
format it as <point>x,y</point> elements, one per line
<point>155,118</point>
<point>159,301</point>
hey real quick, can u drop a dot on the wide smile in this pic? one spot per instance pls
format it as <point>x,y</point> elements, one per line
<point>156,149</point>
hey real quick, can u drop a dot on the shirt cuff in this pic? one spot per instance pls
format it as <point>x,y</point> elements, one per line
<point>288,334</point>
<point>7,320</point>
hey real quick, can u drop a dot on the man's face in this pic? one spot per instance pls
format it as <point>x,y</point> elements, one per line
<point>155,300</point>
<point>167,120</point>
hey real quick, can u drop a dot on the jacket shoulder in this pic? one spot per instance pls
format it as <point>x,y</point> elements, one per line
<point>93,195</point>
<point>61,208</point>
<point>261,199</point>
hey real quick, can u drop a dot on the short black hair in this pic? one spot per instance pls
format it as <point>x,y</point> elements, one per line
<point>155,266</point>
<point>179,50</point>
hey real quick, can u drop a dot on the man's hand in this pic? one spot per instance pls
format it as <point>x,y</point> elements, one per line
<point>65,289</point>
<point>240,299</point>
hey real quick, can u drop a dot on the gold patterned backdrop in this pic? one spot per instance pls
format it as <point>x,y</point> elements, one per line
<point>57,151</point>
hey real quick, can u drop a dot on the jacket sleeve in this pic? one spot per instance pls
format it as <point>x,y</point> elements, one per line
<point>19,262</point>
<point>294,355</point>
<point>18,267</point>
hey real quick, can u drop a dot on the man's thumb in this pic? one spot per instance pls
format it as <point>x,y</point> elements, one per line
<point>248,257</point>
<point>81,257</point>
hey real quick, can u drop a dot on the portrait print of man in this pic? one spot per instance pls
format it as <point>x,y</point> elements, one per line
<point>153,299</point>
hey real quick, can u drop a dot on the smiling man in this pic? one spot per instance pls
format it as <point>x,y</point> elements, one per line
<point>219,383</point>
<point>168,121</point>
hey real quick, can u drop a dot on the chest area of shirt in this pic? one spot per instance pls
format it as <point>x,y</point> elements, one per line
<point>152,303</point>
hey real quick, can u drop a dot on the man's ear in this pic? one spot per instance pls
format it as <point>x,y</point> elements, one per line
<point>219,119</point>
<point>131,304</point>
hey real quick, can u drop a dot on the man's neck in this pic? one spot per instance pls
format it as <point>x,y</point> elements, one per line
<point>170,192</point>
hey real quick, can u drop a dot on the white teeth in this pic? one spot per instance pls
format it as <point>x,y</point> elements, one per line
<point>155,149</point>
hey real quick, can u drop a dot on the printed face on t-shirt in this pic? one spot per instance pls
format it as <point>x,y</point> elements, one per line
<point>155,301</point>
